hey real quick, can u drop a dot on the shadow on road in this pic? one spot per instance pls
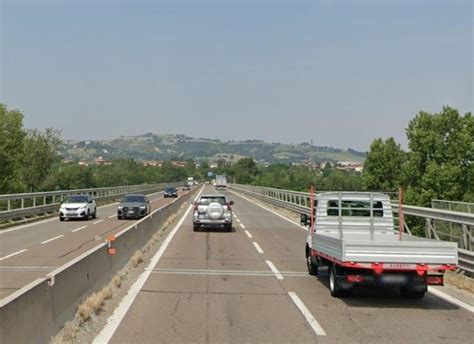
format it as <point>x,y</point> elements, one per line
<point>387,297</point>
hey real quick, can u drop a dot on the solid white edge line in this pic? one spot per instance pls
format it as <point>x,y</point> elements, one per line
<point>451,299</point>
<point>13,254</point>
<point>257,247</point>
<point>96,222</point>
<point>270,210</point>
<point>119,313</point>
<point>52,239</point>
<point>248,234</point>
<point>274,269</point>
<point>242,225</point>
<point>307,314</point>
<point>78,229</point>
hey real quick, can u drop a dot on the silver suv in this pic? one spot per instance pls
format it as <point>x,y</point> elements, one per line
<point>212,211</point>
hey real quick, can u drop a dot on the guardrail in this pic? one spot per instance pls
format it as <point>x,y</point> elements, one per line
<point>300,202</point>
<point>36,312</point>
<point>18,206</point>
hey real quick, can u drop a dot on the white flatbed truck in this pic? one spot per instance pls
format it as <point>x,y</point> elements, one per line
<point>355,237</point>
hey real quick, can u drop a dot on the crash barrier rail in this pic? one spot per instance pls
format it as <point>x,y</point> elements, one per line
<point>23,205</point>
<point>37,312</point>
<point>299,202</point>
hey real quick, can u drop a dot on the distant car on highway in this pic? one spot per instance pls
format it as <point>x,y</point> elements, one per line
<point>78,207</point>
<point>171,192</point>
<point>212,211</point>
<point>133,206</point>
<point>186,187</point>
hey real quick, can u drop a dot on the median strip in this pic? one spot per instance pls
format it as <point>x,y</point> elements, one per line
<point>52,239</point>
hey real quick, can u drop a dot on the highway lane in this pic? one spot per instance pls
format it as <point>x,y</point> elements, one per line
<point>251,286</point>
<point>51,244</point>
<point>24,236</point>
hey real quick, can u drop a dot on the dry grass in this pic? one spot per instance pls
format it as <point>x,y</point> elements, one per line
<point>68,333</point>
<point>94,303</point>
<point>137,258</point>
<point>459,281</point>
<point>117,281</point>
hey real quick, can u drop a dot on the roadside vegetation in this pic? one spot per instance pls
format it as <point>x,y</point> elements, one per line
<point>438,164</point>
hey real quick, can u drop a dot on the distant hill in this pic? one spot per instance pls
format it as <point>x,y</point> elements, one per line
<point>165,146</point>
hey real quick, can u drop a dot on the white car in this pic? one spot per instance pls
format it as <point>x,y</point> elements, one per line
<point>78,207</point>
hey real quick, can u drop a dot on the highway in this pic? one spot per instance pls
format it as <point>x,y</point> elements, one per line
<point>251,286</point>
<point>30,251</point>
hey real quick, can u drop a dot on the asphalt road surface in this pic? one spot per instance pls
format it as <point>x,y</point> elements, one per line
<point>251,286</point>
<point>28,252</point>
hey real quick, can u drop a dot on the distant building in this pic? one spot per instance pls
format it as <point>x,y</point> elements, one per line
<point>159,163</point>
<point>99,161</point>
<point>350,166</point>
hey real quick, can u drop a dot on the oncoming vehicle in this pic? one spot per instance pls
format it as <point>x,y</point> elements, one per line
<point>212,211</point>
<point>171,192</point>
<point>78,207</point>
<point>355,237</point>
<point>133,206</point>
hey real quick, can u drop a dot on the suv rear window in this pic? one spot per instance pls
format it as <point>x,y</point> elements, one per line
<point>209,200</point>
<point>354,208</point>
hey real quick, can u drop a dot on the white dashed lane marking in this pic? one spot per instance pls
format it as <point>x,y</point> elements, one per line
<point>52,239</point>
<point>257,247</point>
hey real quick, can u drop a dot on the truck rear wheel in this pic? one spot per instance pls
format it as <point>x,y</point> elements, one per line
<point>312,268</point>
<point>334,286</point>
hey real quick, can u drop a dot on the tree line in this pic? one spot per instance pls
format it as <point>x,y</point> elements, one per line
<point>438,164</point>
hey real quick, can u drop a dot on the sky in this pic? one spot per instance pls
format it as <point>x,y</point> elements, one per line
<point>340,73</point>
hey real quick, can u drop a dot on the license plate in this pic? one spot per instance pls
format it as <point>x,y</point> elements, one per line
<point>202,216</point>
<point>400,266</point>
<point>393,279</point>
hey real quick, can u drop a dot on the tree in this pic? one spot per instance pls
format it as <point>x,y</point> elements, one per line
<point>440,161</point>
<point>383,166</point>
<point>12,138</point>
<point>40,153</point>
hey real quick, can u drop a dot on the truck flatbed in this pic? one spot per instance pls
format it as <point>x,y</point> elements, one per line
<point>355,236</point>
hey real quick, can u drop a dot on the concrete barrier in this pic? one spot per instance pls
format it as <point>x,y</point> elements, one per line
<point>37,312</point>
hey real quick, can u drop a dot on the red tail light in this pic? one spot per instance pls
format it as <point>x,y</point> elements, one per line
<point>435,280</point>
<point>354,278</point>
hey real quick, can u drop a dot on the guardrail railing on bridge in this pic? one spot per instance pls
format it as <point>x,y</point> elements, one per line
<point>17,206</point>
<point>300,202</point>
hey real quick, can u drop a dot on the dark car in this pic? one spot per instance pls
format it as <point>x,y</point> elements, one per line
<point>133,206</point>
<point>171,192</point>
